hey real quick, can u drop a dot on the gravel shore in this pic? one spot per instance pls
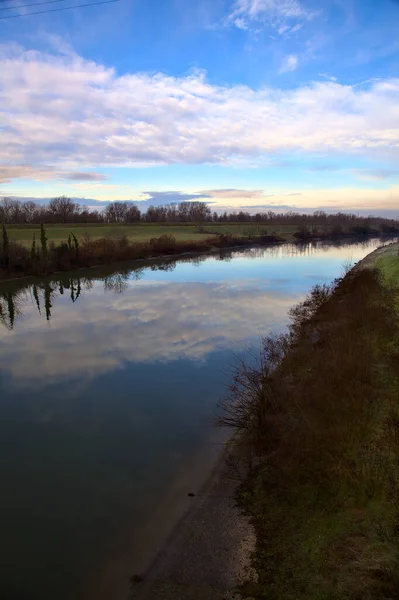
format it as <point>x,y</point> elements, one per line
<point>208,552</point>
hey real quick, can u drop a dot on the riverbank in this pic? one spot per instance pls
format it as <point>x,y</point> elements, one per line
<point>142,263</point>
<point>46,258</point>
<point>208,551</point>
<point>321,419</point>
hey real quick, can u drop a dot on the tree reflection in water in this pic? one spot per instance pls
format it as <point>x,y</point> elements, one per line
<point>15,295</point>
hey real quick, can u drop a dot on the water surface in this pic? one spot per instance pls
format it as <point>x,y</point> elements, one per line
<point>108,383</point>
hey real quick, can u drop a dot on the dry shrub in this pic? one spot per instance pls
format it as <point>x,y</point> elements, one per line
<point>319,410</point>
<point>165,243</point>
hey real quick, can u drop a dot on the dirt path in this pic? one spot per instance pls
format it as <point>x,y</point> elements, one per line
<point>370,259</point>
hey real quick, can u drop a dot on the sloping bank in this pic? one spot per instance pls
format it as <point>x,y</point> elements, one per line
<point>321,417</point>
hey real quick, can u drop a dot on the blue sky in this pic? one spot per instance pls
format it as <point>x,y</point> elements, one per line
<point>256,103</point>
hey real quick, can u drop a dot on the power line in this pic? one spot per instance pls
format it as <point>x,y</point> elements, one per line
<point>26,5</point>
<point>43,12</point>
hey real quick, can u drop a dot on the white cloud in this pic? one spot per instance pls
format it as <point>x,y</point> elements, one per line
<point>39,173</point>
<point>285,28</point>
<point>60,113</point>
<point>276,13</point>
<point>45,173</point>
<point>296,28</point>
<point>144,324</point>
<point>282,29</point>
<point>329,77</point>
<point>234,193</point>
<point>290,63</point>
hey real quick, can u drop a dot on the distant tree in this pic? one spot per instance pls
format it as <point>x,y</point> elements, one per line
<point>43,240</point>
<point>5,247</point>
<point>33,248</point>
<point>63,209</point>
<point>154,214</point>
<point>116,212</point>
<point>133,214</point>
<point>29,210</point>
<point>243,216</point>
<point>75,244</point>
<point>6,210</point>
<point>172,212</point>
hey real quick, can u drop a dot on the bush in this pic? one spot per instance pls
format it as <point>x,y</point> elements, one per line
<point>303,234</point>
<point>225,239</point>
<point>61,256</point>
<point>389,228</point>
<point>165,243</point>
<point>337,230</point>
<point>361,229</point>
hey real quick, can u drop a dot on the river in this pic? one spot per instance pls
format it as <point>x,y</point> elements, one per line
<point>109,381</point>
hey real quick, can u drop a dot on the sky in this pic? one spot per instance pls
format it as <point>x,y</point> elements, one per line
<point>262,104</point>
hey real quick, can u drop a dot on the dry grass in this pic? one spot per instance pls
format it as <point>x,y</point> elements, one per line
<point>321,414</point>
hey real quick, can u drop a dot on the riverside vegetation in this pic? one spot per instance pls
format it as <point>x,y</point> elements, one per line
<point>320,415</point>
<point>44,257</point>
<point>70,237</point>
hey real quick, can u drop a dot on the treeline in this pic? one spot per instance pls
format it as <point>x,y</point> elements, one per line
<point>65,210</point>
<point>58,210</point>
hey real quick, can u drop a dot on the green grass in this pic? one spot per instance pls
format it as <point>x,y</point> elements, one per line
<point>141,232</point>
<point>389,266</point>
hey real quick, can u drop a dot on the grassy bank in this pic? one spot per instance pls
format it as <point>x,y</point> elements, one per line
<point>320,414</point>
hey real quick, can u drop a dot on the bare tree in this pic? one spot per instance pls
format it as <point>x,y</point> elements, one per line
<point>63,209</point>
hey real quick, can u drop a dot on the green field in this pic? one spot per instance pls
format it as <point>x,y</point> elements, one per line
<point>389,265</point>
<point>143,231</point>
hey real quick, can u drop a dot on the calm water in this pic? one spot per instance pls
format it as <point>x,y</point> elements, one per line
<point>108,383</point>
